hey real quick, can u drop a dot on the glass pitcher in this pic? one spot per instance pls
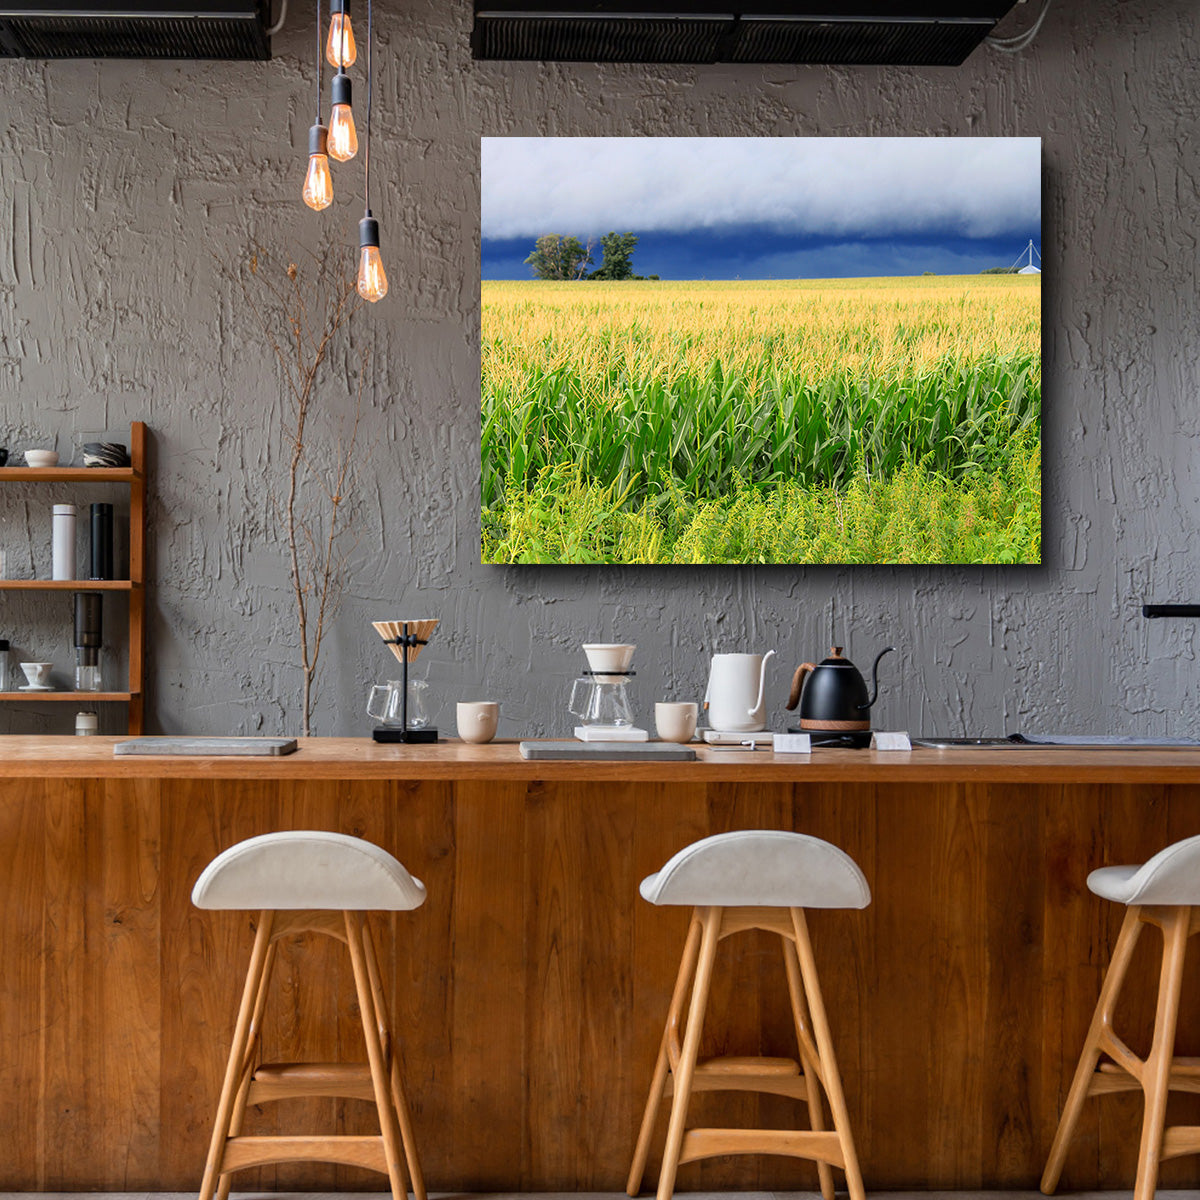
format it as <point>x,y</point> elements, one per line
<point>596,702</point>
<point>384,703</point>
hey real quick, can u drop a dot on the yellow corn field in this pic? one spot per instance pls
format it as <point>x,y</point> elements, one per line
<point>681,394</point>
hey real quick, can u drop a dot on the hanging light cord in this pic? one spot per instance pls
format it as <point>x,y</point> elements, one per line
<point>1021,41</point>
<point>318,62</point>
<point>370,88</point>
<point>283,7</point>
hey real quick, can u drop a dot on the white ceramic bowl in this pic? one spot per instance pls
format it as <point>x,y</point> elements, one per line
<point>41,458</point>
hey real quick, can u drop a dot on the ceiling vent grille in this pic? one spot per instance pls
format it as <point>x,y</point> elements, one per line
<point>233,29</point>
<point>598,39</point>
<point>908,43</point>
<point>918,33</point>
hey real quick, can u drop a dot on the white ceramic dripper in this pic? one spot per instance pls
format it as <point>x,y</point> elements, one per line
<point>609,660</point>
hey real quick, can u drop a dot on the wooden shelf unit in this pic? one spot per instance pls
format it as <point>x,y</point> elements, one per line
<point>72,474</point>
<point>67,585</point>
<point>135,477</point>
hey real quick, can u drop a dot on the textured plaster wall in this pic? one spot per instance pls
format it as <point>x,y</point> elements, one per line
<point>119,181</point>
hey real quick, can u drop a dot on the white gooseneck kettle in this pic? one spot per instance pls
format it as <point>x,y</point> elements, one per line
<point>734,698</point>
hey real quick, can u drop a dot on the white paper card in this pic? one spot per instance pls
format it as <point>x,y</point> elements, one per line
<point>793,743</point>
<point>890,741</point>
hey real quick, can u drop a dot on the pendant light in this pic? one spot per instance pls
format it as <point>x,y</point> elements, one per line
<point>343,137</point>
<point>372,279</point>
<point>318,184</point>
<point>340,50</point>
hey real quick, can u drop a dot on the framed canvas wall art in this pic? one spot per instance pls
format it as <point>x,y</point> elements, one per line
<point>761,350</point>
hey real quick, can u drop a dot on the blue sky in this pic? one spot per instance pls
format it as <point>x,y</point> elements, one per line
<point>759,208</point>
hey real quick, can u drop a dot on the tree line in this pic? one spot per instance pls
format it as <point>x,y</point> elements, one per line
<point>567,258</point>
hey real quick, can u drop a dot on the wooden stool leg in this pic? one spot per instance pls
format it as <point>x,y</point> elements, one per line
<point>687,966</point>
<point>816,1117</point>
<point>383,1099</point>
<point>1157,1071</point>
<point>1110,992</point>
<point>829,1068</point>
<point>237,1054</point>
<point>239,1105</point>
<point>691,1047</point>
<point>391,1053</point>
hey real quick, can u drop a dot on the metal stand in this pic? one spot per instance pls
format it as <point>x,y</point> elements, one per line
<point>388,733</point>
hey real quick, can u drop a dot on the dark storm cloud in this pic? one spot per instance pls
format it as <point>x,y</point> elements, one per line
<point>844,187</point>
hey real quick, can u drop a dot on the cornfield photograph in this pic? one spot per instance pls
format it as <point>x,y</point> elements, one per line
<point>761,350</point>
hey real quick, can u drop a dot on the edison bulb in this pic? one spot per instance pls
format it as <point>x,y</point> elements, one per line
<point>372,279</point>
<point>318,183</point>
<point>343,137</point>
<point>340,50</point>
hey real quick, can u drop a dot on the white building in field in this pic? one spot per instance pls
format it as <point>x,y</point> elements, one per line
<point>1029,268</point>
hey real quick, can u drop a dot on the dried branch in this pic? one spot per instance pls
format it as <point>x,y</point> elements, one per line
<point>313,307</point>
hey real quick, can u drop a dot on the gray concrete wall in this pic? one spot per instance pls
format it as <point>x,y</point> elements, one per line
<point>119,181</point>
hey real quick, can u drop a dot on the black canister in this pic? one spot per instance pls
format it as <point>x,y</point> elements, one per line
<point>89,620</point>
<point>102,542</point>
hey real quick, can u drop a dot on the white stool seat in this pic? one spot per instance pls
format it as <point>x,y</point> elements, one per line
<point>769,868</point>
<point>1171,877</point>
<point>307,869</point>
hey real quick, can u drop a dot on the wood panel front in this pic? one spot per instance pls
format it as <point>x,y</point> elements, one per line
<point>530,989</point>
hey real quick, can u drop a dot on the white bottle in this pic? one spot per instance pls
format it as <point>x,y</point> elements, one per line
<point>86,724</point>
<point>63,543</point>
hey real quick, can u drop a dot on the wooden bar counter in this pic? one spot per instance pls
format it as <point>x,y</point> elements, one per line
<point>530,989</point>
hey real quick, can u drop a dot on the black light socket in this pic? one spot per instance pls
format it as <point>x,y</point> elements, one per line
<point>368,232</point>
<point>340,90</point>
<point>89,620</point>
<point>318,140</point>
<point>339,6</point>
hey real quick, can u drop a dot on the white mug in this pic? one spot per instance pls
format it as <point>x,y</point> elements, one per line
<point>675,721</point>
<point>477,720</point>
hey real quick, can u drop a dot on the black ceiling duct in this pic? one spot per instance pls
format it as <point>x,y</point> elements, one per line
<point>916,33</point>
<point>232,29</point>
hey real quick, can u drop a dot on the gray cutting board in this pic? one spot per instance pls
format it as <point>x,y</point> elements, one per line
<point>207,747</point>
<point>609,751</point>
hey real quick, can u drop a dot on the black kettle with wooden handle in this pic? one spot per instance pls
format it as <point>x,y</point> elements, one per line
<point>832,694</point>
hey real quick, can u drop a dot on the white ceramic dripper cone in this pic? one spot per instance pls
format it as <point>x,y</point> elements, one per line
<point>604,658</point>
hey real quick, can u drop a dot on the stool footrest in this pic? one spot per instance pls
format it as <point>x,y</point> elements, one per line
<point>729,1064</point>
<point>732,1073</point>
<point>1110,1078</point>
<point>351,1151</point>
<point>795,1143</point>
<point>287,1081</point>
<point>1179,1140</point>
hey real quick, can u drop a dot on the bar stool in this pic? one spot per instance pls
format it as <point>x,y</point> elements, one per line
<point>311,882</point>
<point>752,879</point>
<point>1164,892</point>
